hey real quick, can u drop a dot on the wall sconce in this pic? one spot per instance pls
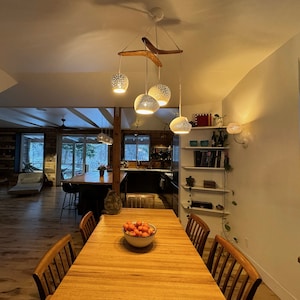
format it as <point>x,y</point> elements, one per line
<point>236,129</point>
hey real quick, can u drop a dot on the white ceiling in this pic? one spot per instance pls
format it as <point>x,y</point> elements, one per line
<point>61,54</point>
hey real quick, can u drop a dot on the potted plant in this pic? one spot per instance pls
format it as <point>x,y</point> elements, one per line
<point>101,169</point>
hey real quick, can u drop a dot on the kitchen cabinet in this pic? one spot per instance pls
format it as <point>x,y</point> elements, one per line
<point>143,181</point>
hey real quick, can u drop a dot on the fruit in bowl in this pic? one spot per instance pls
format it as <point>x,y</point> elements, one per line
<point>139,234</point>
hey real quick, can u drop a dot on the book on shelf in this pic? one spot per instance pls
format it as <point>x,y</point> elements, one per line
<point>209,158</point>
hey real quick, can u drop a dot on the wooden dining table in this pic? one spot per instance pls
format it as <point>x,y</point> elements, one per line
<point>107,267</point>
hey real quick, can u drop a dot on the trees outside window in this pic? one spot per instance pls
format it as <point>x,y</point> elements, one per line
<point>136,147</point>
<point>32,152</point>
<point>80,154</point>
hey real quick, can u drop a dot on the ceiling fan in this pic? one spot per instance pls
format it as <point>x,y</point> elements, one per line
<point>63,126</point>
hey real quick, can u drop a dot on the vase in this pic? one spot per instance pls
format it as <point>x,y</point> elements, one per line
<point>101,172</point>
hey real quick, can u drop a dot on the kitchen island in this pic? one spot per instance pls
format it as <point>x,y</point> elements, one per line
<point>93,190</point>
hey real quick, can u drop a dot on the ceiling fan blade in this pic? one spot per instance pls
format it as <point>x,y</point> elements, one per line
<point>155,50</point>
<point>146,53</point>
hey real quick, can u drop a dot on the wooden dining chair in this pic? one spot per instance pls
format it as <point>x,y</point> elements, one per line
<point>233,272</point>
<point>146,200</point>
<point>53,266</point>
<point>198,231</point>
<point>87,225</point>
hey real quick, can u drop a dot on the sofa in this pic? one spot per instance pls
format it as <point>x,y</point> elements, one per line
<point>28,183</point>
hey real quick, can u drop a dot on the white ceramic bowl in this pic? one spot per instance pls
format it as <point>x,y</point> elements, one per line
<point>139,241</point>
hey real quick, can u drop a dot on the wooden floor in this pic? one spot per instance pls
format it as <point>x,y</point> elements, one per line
<point>29,226</point>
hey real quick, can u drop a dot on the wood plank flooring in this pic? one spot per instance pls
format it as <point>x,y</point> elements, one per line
<point>29,226</point>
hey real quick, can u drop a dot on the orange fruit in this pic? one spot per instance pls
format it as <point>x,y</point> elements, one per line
<point>145,234</point>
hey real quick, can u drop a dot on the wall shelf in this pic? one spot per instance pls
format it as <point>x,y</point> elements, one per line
<point>216,212</point>
<point>209,127</point>
<point>204,148</point>
<point>203,189</point>
<point>202,168</point>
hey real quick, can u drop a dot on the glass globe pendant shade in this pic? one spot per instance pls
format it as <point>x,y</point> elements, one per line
<point>145,104</point>
<point>161,93</point>
<point>180,125</point>
<point>119,83</point>
<point>234,128</point>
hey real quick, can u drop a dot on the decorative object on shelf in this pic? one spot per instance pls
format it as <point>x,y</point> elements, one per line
<point>218,120</point>
<point>220,207</point>
<point>193,143</point>
<point>190,181</point>
<point>227,165</point>
<point>210,158</point>
<point>202,119</point>
<point>209,184</point>
<point>236,129</point>
<point>204,143</point>
<point>101,169</point>
<point>202,204</point>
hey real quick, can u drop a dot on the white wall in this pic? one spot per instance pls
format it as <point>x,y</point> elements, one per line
<point>266,175</point>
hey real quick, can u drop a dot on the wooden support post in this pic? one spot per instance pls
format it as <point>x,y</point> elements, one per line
<point>116,153</point>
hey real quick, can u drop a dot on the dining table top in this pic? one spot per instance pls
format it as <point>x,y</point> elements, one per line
<point>94,178</point>
<point>107,267</point>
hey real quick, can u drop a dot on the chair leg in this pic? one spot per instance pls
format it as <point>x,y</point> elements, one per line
<point>70,203</point>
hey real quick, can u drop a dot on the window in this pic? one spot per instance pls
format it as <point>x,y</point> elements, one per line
<point>136,147</point>
<point>32,152</point>
<point>81,154</point>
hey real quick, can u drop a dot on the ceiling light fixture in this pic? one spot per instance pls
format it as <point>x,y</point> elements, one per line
<point>145,104</point>
<point>180,125</point>
<point>104,139</point>
<point>119,81</point>
<point>160,92</point>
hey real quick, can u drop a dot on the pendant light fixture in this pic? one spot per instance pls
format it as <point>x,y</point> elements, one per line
<point>180,125</point>
<point>145,104</point>
<point>119,81</point>
<point>160,92</point>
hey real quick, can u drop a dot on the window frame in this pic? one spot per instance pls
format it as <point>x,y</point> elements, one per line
<point>137,141</point>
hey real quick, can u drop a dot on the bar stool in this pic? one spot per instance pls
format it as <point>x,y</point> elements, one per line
<point>70,201</point>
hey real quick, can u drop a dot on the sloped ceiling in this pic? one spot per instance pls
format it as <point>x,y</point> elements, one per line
<point>62,54</point>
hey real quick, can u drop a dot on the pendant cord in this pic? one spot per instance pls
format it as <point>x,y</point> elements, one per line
<point>179,76</point>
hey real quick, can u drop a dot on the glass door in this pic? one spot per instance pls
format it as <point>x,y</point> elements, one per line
<point>81,154</point>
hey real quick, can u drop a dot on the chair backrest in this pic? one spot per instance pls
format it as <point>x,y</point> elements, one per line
<point>70,188</point>
<point>87,226</point>
<point>53,266</point>
<point>198,231</point>
<point>233,272</point>
<point>141,200</point>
